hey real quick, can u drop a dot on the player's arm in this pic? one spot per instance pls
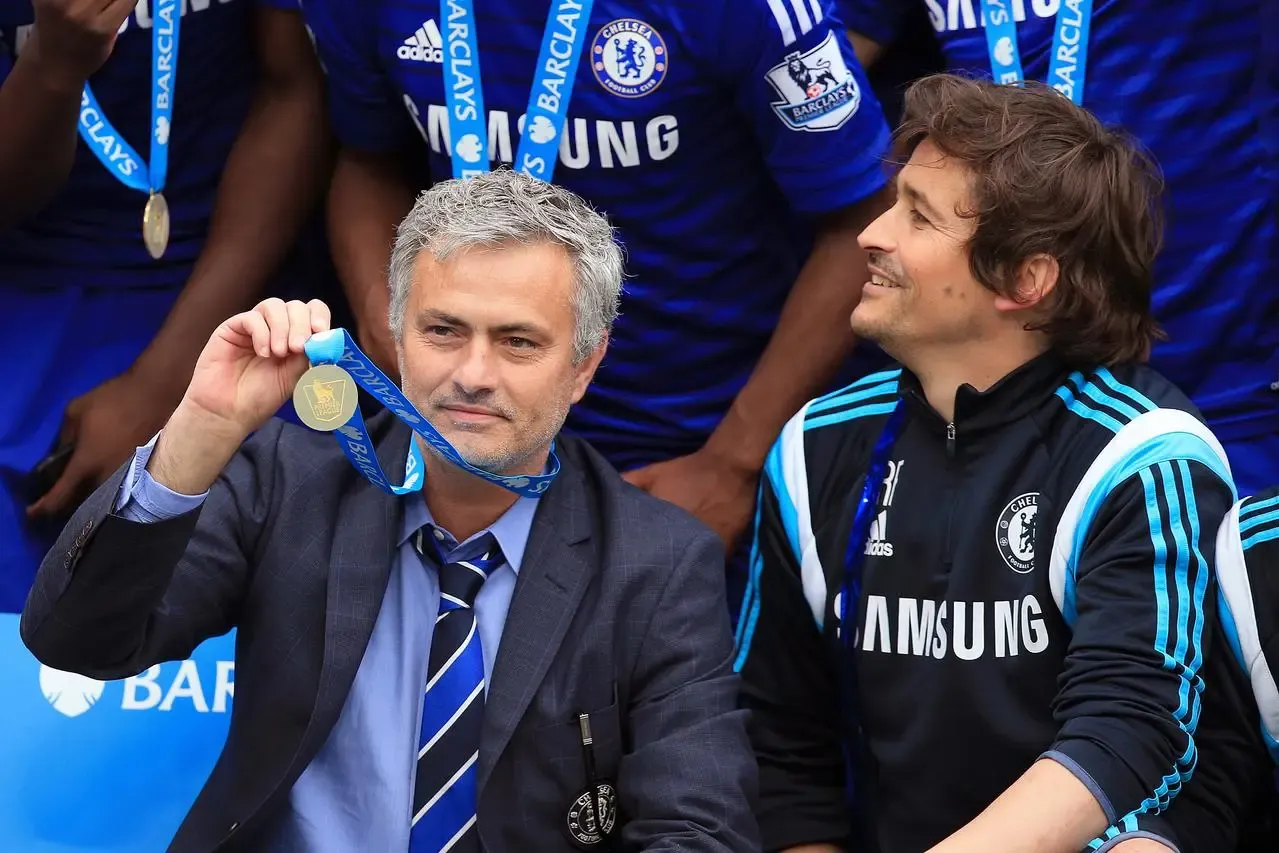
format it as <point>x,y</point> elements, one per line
<point>832,172</point>
<point>371,189</point>
<point>40,98</point>
<point>272,181</point>
<point>274,178</point>
<point>789,684</point>
<point>1137,590</point>
<point>873,25</point>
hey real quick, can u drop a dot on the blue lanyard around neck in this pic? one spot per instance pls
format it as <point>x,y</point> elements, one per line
<point>336,347</point>
<point>105,141</point>
<point>548,100</point>
<point>854,562</point>
<point>1068,62</point>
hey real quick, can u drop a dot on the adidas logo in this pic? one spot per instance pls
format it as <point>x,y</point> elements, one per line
<point>876,544</point>
<point>425,45</point>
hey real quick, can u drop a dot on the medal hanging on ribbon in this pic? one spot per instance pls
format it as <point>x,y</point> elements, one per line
<point>117,155</point>
<point>326,399</point>
<point>548,100</point>
<point>1068,60</point>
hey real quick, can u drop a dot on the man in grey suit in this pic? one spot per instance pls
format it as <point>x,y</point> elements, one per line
<point>376,709</point>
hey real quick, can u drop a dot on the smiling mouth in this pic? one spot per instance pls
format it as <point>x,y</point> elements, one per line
<point>879,281</point>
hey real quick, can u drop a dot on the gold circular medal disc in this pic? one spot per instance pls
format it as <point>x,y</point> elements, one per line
<point>325,397</point>
<point>155,225</point>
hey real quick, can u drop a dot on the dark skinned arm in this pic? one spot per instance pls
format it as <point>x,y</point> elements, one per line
<point>40,99</point>
<point>812,339</point>
<point>370,195</point>
<point>273,179</point>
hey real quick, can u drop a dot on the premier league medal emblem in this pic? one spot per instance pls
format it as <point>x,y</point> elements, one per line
<point>155,225</point>
<point>592,815</point>
<point>325,397</point>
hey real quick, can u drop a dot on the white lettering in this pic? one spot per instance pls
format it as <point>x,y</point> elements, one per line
<point>1015,626</point>
<point>625,147</point>
<point>969,644</point>
<point>186,686</point>
<point>876,633</point>
<point>146,681</point>
<point>1034,633</point>
<point>224,687</point>
<point>610,144</point>
<point>915,623</point>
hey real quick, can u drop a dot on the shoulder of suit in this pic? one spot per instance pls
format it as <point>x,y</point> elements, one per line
<point>625,509</point>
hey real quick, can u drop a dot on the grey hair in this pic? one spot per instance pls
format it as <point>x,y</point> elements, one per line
<point>503,207</point>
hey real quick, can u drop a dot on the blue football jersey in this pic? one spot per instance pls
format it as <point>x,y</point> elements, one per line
<point>1187,79</point>
<point>92,232</point>
<point>711,133</point>
<point>81,297</point>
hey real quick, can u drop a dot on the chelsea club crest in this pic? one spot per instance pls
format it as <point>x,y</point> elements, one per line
<point>592,815</point>
<point>629,58</point>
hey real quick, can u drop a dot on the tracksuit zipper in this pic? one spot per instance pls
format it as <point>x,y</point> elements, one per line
<point>953,496</point>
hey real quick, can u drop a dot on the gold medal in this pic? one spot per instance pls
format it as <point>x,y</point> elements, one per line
<point>325,397</point>
<point>155,225</point>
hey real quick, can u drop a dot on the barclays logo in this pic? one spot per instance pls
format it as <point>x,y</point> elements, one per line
<point>70,694</point>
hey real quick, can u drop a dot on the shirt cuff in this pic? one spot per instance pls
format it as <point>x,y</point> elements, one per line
<point>1112,843</point>
<point>1088,782</point>
<point>142,499</point>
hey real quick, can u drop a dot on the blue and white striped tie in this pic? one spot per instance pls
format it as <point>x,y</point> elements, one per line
<point>444,795</point>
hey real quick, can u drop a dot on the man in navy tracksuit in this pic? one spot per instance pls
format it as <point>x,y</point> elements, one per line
<point>1016,527</point>
<point>1248,566</point>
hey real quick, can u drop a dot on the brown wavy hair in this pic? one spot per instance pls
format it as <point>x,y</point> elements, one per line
<point>1049,178</point>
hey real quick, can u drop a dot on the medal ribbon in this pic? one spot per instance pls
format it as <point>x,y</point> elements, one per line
<point>854,561</point>
<point>336,347</point>
<point>548,100</point>
<point>106,142</point>
<point>1068,62</point>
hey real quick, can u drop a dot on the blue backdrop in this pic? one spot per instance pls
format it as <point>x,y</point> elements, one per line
<point>106,767</point>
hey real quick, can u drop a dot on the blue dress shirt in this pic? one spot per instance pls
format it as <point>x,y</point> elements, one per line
<point>356,794</point>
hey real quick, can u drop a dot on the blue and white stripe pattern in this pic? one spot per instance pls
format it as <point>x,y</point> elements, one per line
<point>1251,522</point>
<point>1158,446</point>
<point>445,788</point>
<point>786,475</point>
<point>796,18</point>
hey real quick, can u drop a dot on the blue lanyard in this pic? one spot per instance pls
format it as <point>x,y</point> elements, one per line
<point>548,100</point>
<point>1068,62</point>
<point>107,143</point>
<point>854,560</point>
<point>336,347</point>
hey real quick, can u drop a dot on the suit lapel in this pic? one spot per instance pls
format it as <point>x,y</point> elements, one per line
<point>359,569</point>
<point>553,577</point>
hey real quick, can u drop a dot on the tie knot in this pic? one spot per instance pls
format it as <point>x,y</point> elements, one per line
<point>460,580</point>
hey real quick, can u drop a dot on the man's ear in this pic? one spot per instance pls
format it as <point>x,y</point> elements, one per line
<point>585,369</point>
<point>1036,278</point>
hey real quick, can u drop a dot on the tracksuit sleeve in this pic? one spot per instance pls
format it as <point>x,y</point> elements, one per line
<point>788,681</point>
<point>1130,694</point>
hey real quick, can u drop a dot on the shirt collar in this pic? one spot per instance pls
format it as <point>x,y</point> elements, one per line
<point>511,530</point>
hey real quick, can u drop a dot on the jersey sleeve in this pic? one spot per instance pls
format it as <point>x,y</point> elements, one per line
<point>1137,596</point>
<point>794,78</point>
<point>878,20</point>
<point>1248,568</point>
<point>365,111</point>
<point>789,684</point>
